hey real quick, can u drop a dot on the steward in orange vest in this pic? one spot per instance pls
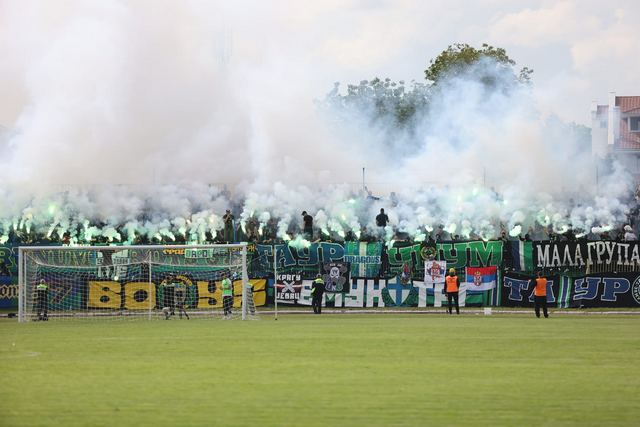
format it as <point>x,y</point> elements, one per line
<point>451,287</point>
<point>540,294</point>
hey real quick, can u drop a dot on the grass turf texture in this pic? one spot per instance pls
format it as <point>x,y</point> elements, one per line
<point>366,370</point>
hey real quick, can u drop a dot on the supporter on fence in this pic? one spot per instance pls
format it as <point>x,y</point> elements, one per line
<point>228,226</point>
<point>629,235</point>
<point>307,225</point>
<point>382,219</point>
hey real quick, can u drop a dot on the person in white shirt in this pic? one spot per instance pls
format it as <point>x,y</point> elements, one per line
<point>629,235</point>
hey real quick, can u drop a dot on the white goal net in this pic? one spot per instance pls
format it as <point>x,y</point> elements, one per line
<point>165,282</point>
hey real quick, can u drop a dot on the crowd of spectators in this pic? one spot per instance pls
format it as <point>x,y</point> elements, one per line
<point>251,230</point>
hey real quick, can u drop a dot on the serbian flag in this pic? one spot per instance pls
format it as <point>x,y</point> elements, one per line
<point>481,278</point>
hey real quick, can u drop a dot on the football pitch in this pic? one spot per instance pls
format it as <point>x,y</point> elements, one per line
<point>346,370</point>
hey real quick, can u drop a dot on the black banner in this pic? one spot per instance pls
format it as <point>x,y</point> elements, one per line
<point>605,290</point>
<point>288,287</point>
<point>591,291</point>
<point>579,254</point>
<point>336,276</point>
<point>517,290</point>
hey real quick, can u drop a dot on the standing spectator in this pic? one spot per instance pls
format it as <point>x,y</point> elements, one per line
<point>228,226</point>
<point>629,235</point>
<point>393,198</point>
<point>169,296</point>
<point>4,270</point>
<point>317,291</point>
<point>308,225</point>
<point>227,295</point>
<point>181,298</point>
<point>452,285</point>
<point>42,300</point>
<point>540,295</point>
<point>382,219</point>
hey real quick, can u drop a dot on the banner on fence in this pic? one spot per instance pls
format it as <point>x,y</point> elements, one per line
<point>481,278</point>
<point>288,287</point>
<point>336,276</point>
<point>434,272</point>
<point>580,254</point>
<point>604,290</point>
<point>364,257</point>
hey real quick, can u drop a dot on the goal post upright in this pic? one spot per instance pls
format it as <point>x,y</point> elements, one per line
<point>245,282</point>
<point>21,286</point>
<point>150,286</point>
<point>275,282</point>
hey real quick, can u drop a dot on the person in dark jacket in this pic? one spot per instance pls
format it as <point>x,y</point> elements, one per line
<point>317,291</point>
<point>308,225</point>
<point>382,219</point>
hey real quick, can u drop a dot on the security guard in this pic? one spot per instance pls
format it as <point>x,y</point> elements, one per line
<point>452,285</point>
<point>42,300</point>
<point>317,291</point>
<point>227,295</point>
<point>540,295</point>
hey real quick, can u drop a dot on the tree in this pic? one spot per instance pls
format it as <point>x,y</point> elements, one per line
<point>396,109</point>
<point>461,59</point>
<point>382,101</point>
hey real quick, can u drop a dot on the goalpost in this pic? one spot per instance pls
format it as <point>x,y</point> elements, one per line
<point>163,281</point>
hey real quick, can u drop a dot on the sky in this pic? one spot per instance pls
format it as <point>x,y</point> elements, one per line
<point>579,49</point>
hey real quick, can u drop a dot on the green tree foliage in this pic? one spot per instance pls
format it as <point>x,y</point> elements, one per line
<point>459,59</point>
<point>382,100</point>
<point>395,107</point>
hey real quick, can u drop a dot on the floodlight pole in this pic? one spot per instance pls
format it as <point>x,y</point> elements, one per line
<point>245,282</point>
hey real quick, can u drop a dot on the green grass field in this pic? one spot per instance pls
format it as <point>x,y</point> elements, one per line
<point>348,370</point>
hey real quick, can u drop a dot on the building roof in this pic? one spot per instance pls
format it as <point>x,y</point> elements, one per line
<point>628,106</point>
<point>627,103</point>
